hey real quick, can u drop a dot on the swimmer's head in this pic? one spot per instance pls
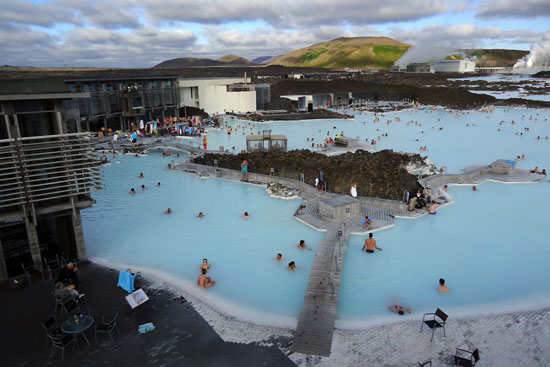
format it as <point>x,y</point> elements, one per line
<point>204,261</point>
<point>441,281</point>
<point>279,256</point>
<point>370,235</point>
<point>302,242</point>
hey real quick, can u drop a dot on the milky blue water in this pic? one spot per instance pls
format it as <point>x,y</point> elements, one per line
<point>489,245</point>
<point>132,230</point>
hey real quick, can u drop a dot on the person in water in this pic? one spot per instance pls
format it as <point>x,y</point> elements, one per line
<point>399,309</point>
<point>432,209</point>
<point>442,287</point>
<point>204,281</point>
<point>474,188</point>
<point>291,265</point>
<point>140,175</point>
<point>168,211</point>
<point>158,184</point>
<point>279,257</point>
<point>370,245</point>
<point>132,191</point>
<point>200,215</point>
<point>245,215</point>
<point>143,187</point>
<point>205,264</point>
<point>302,245</point>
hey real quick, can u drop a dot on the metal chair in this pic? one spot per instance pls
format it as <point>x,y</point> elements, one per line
<point>61,301</point>
<point>466,358</point>
<point>62,342</point>
<point>52,328</point>
<point>51,263</point>
<point>107,327</point>
<point>437,320</point>
<point>30,269</point>
<point>425,363</point>
<point>71,306</point>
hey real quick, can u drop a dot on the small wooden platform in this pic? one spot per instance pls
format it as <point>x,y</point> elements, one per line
<point>313,334</point>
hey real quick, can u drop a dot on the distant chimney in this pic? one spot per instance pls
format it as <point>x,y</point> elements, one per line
<point>245,77</point>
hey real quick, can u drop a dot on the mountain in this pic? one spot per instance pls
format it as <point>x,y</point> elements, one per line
<point>234,60</point>
<point>264,60</point>
<point>353,52</point>
<point>189,62</point>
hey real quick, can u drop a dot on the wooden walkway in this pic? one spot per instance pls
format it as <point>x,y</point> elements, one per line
<point>313,334</point>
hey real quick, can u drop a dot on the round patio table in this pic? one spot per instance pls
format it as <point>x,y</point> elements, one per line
<point>77,324</point>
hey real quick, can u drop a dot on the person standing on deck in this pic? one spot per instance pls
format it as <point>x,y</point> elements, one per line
<point>244,171</point>
<point>322,183</point>
<point>353,190</point>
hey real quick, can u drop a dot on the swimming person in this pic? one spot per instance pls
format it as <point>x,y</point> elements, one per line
<point>200,215</point>
<point>442,287</point>
<point>158,184</point>
<point>302,245</point>
<point>474,188</point>
<point>143,187</point>
<point>370,244</point>
<point>140,175</point>
<point>245,215</point>
<point>244,170</point>
<point>204,264</point>
<point>132,191</point>
<point>279,257</point>
<point>168,211</point>
<point>204,281</point>
<point>291,265</point>
<point>169,166</point>
<point>399,309</point>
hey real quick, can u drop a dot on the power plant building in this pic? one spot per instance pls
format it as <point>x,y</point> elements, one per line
<point>454,66</point>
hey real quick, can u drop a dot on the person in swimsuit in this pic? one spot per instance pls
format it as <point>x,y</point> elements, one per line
<point>168,211</point>
<point>245,215</point>
<point>158,184</point>
<point>279,257</point>
<point>244,170</point>
<point>442,287</point>
<point>399,309</point>
<point>433,207</point>
<point>291,265</point>
<point>140,175</point>
<point>302,245</point>
<point>370,245</point>
<point>200,215</point>
<point>143,187</point>
<point>132,191</point>
<point>204,281</point>
<point>367,223</point>
<point>205,264</point>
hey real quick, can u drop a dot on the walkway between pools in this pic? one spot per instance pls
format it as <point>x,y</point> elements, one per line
<point>313,334</point>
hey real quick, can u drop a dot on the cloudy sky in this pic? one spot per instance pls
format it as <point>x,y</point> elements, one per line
<point>141,33</point>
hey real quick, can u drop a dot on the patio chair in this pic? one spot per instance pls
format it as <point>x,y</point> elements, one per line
<point>466,358</point>
<point>60,302</point>
<point>30,269</point>
<point>51,263</point>
<point>107,327</point>
<point>71,307</point>
<point>126,280</point>
<point>435,320</point>
<point>62,342</point>
<point>52,328</point>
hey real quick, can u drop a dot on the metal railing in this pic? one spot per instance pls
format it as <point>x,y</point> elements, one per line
<point>39,168</point>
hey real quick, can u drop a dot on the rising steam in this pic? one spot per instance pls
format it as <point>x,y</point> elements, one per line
<point>424,52</point>
<point>539,57</point>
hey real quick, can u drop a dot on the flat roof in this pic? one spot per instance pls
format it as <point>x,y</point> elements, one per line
<point>261,137</point>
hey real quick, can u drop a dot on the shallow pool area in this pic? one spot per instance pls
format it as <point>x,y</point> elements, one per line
<point>489,245</point>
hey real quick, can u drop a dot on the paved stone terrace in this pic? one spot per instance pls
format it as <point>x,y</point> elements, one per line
<point>510,340</point>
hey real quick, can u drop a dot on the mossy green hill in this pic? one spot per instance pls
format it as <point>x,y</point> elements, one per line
<point>347,52</point>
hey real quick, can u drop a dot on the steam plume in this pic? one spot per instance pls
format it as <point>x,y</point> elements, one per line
<point>424,52</point>
<point>539,57</point>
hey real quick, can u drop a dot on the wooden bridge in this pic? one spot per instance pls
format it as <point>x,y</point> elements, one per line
<point>316,323</point>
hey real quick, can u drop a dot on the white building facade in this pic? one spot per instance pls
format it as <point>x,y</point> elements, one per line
<point>454,66</point>
<point>218,95</point>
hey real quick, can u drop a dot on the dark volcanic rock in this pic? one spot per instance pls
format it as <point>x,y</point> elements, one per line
<point>381,174</point>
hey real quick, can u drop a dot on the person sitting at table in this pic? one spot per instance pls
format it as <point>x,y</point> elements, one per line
<point>68,275</point>
<point>66,292</point>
